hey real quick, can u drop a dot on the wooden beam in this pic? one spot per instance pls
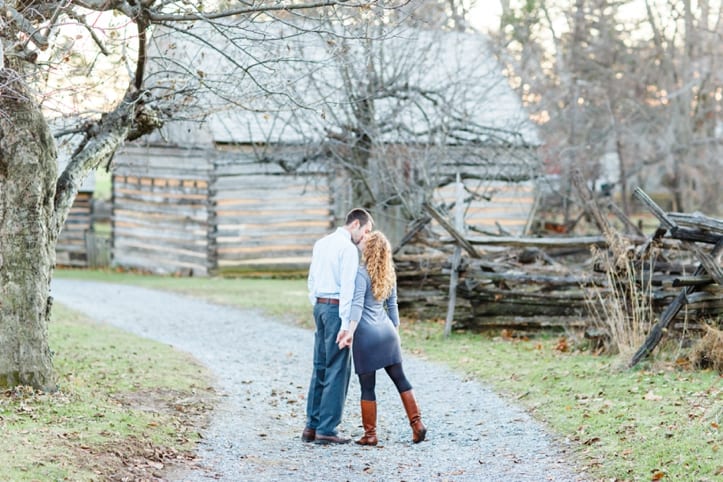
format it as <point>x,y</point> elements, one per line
<point>708,262</point>
<point>697,221</point>
<point>456,258</point>
<point>657,211</point>
<point>546,242</point>
<point>417,226</point>
<point>451,230</point>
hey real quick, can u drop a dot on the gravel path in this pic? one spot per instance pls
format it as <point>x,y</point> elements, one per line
<point>263,368</point>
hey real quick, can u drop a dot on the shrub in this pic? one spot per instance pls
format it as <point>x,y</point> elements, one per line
<point>623,308</point>
<point>708,351</point>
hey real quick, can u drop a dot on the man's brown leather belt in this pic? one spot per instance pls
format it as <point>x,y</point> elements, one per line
<point>328,301</point>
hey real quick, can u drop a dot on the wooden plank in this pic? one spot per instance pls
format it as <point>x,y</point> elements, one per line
<point>191,209</point>
<point>547,242</point>
<point>186,216</point>
<point>302,261</point>
<point>679,281</point>
<point>169,172</point>
<point>157,196</point>
<point>169,188</point>
<point>253,237</point>
<point>322,225</point>
<point>694,235</point>
<point>545,279</point>
<point>278,214</point>
<point>707,261</point>
<point>71,248</point>
<point>158,264</point>
<point>173,229</point>
<point>235,168</point>
<point>270,249</point>
<point>163,238</point>
<point>489,224</point>
<point>257,181</point>
<point>139,246</point>
<point>697,221</point>
<point>450,229</point>
<point>665,221</point>
<point>226,200</point>
<point>142,160</point>
<point>456,258</point>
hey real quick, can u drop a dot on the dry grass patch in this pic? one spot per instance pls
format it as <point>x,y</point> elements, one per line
<point>708,351</point>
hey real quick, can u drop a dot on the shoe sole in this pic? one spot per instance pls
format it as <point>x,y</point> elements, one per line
<point>330,442</point>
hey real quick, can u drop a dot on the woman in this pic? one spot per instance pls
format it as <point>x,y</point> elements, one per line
<point>373,327</point>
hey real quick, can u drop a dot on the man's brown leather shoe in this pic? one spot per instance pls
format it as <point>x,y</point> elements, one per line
<point>308,435</point>
<point>330,439</point>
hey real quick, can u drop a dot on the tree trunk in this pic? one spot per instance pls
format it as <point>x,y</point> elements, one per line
<point>28,172</point>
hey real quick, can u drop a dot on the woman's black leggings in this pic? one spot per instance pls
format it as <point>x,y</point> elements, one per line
<point>369,380</point>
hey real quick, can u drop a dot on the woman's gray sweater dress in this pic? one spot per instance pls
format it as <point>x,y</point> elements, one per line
<point>376,341</point>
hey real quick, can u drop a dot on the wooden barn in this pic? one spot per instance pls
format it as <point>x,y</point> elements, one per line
<point>241,190</point>
<point>219,211</point>
<point>76,242</point>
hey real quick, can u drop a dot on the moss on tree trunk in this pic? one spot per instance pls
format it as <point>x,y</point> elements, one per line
<point>28,173</point>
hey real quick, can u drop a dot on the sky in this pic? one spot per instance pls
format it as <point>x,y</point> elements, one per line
<point>485,15</point>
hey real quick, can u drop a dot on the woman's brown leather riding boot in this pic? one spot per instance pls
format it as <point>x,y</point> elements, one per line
<point>419,431</point>
<point>369,421</point>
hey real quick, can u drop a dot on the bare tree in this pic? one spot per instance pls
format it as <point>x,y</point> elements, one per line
<point>397,111</point>
<point>34,200</point>
<point>603,88</point>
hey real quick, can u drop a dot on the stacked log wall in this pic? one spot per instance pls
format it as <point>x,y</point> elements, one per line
<point>499,206</point>
<point>71,249</point>
<point>265,218</point>
<point>531,283</point>
<point>160,214</point>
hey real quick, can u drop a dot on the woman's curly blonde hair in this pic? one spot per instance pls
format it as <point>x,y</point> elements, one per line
<point>377,256</point>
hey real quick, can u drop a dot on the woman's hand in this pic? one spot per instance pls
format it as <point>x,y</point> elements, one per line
<point>344,339</point>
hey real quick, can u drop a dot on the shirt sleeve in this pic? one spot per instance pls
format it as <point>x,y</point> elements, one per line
<point>310,281</point>
<point>360,289</point>
<point>393,307</point>
<point>349,268</point>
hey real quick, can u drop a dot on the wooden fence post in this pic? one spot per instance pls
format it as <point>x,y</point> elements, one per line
<point>456,258</point>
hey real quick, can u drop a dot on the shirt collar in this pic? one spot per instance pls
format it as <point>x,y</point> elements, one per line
<point>344,232</point>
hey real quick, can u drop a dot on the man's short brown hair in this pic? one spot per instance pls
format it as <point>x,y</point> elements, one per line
<point>361,215</point>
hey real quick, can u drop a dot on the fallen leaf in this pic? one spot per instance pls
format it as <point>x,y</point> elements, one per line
<point>562,345</point>
<point>657,475</point>
<point>652,397</point>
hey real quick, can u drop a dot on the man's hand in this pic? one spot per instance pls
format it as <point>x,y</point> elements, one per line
<point>343,339</point>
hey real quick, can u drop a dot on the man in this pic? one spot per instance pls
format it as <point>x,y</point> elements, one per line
<point>334,263</point>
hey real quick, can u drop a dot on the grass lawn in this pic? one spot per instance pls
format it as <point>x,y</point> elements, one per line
<point>659,421</point>
<point>126,408</point>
